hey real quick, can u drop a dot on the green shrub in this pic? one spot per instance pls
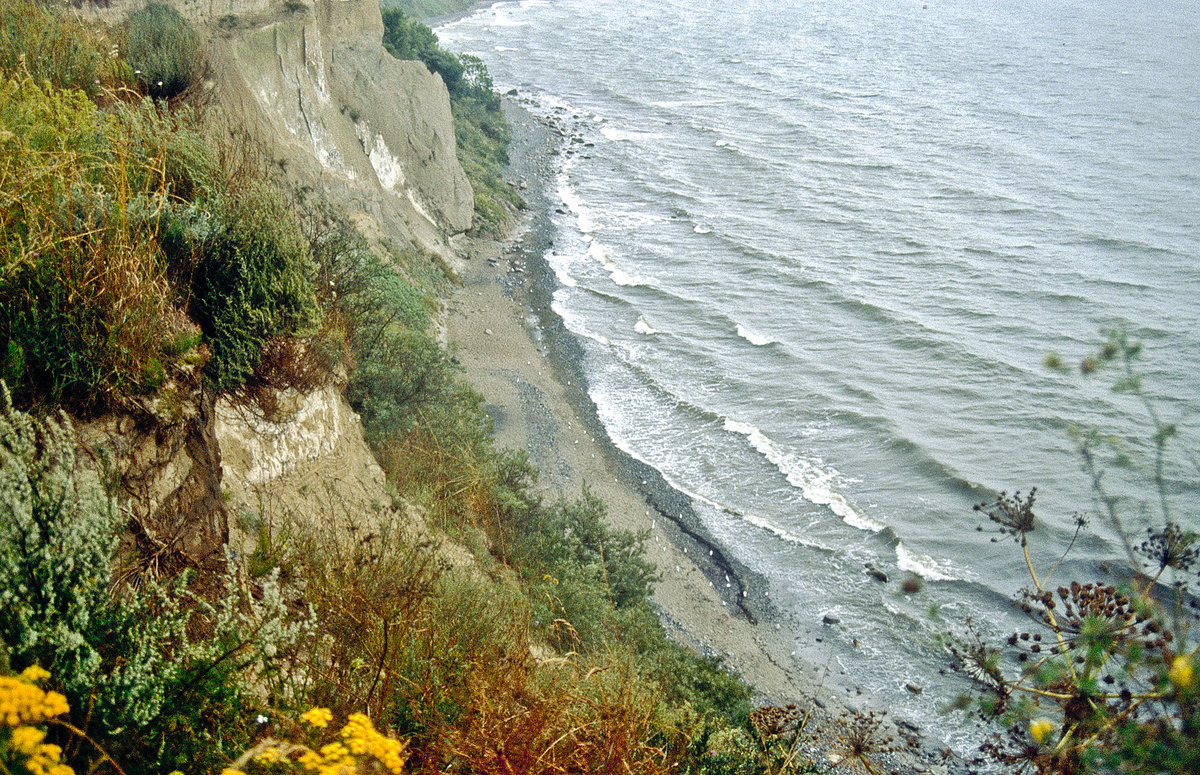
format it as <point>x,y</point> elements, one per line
<point>50,47</point>
<point>252,277</point>
<point>163,49</point>
<point>58,534</point>
<point>160,676</point>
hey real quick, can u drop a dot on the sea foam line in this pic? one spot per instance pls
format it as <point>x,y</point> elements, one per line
<point>814,482</point>
<point>586,224</point>
<point>923,565</point>
<point>751,519</point>
<point>755,339</point>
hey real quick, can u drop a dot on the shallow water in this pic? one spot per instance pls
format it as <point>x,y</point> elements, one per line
<point>817,252</point>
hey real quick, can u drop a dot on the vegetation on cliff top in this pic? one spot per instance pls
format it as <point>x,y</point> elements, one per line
<point>481,131</point>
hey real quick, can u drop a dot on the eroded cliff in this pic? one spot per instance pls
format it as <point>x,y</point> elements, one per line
<point>309,84</point>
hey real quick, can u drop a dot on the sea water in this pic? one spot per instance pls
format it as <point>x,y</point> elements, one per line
<point>817,253</point>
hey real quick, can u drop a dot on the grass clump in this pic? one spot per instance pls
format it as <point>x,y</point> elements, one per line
<point>163,50</point>
<point>124,229</point>
<point>52,48</point>
<point>85,305</point>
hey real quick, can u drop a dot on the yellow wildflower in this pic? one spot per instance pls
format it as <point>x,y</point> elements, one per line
<point>311,760</point>
<point>1041,729</point>
<point>27,739</point>
<point>269,755</point>
<point>334,752</point>
<point>1181,673</point>
<point>317,717</point>
<point>54,704</point>
<point>34,673</point>
<point>231,771</point>
<point>362,738</point>
<point>23,703</point>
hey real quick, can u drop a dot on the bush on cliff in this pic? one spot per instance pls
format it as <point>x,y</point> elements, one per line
<point>252,278</point>
<point>163,49</point>
<point>156,674</point>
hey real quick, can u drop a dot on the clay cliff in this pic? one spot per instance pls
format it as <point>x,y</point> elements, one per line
<point>310,84</point>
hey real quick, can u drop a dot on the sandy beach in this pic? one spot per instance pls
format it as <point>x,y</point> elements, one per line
<point>514,350</point>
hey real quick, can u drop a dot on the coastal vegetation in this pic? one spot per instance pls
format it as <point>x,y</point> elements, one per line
<point>141,251</point>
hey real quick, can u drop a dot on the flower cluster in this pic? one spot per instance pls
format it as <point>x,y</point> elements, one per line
<point>317,717</point>
<point>23,704</point>
<point>361,737</point>
<point>358,738</point>
<point>356,747</point>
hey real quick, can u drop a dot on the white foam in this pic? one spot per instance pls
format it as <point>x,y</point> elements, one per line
<point>558,263</point>
<point>583,215</point>
<point>600,254</point>
<point>502,49</point>
<point>751,519</point>
<point>923,565</point>
<point>814,482</point>
<point>642,327</point>
<point>682,103</point>
<point>701,228</point>
<point>755,339</point>
<point>572,322</point>
<point>626,135</point>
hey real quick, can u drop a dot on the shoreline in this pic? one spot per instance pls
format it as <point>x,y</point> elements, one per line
<point>516,351</point>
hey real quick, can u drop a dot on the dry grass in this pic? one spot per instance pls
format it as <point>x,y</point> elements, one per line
<point>89,304</point>
<point>456,484</point>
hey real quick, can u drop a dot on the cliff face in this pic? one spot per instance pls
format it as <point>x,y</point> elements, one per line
<point>309,81</point>
<point>373,133</point>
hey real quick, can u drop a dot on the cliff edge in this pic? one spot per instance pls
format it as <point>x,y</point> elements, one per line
<point>310,82</point>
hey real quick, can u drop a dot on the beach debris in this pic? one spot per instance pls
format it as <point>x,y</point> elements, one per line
<point>874,572</point>
<point>914,688</point>
<point>831,619</point>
